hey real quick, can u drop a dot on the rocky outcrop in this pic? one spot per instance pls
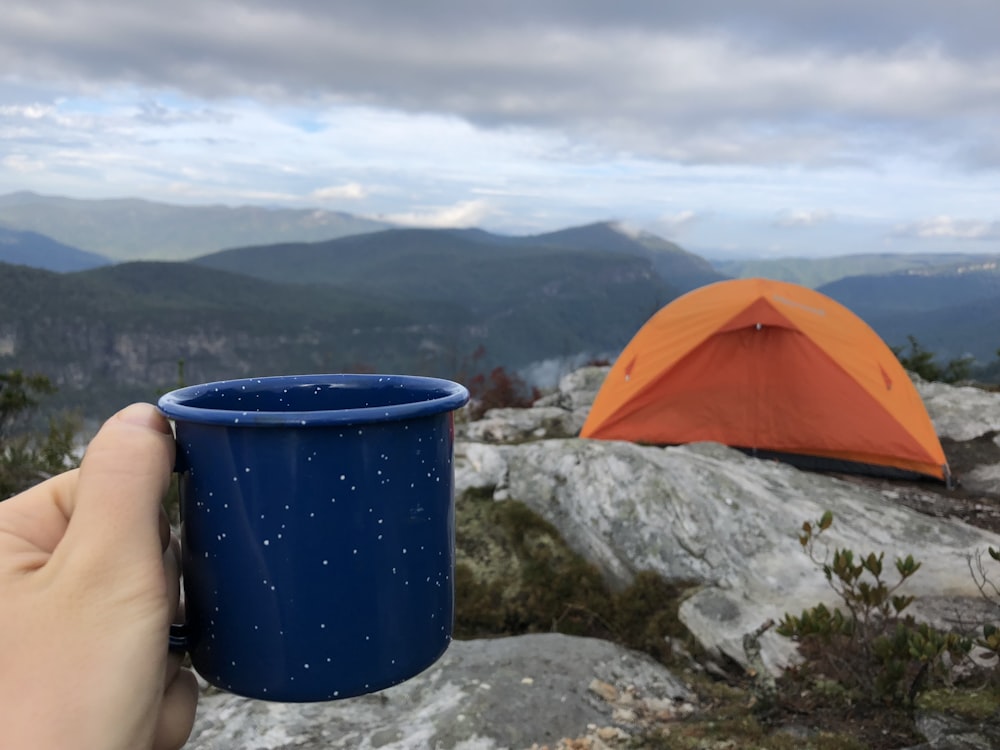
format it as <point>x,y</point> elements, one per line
<point>482,695</point>
<point>701,513</point>
<point>708,514</point>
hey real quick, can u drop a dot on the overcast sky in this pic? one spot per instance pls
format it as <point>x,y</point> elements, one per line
<point>772,127</point>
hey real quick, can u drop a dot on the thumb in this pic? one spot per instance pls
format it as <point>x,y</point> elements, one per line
<point>115,509</point>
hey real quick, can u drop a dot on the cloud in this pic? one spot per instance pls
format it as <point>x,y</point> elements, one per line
<point>947,227</point>
<point>527,115</point>
<point>347,191</point>
<point>715,85</point>
<point>464,214</point>
<point>673,224</point>
<point>803,218</point>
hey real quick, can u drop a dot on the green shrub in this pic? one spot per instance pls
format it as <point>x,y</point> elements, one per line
<point>27,455</point>
<point>869,646</point>
<point>922,362</point>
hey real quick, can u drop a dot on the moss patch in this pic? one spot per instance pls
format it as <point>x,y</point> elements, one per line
<point>977,705</point>
<point>514,574</point>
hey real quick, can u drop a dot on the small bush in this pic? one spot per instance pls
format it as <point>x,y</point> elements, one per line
<point>922,362</point>
<point>499,389</point>
<point>869,646</point>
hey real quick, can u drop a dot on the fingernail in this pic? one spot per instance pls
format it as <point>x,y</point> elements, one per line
<point>144,415</point>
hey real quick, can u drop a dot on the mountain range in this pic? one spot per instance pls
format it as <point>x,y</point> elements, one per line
<point>132,229</point>
<point>110,327</point>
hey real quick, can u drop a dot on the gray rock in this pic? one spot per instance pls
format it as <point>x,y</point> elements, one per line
<point>557,415</point>
<point>959,413</point>
<point>519,425</point>
<point>481,695</point>
<point>946,731</point>
<point>577,390</point>
<point>708,514</point>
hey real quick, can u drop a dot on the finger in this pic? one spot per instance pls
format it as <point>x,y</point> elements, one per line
<point>176,719</point>
<point>114,518</point>
<point>174,663</point>
<point>33,522</point>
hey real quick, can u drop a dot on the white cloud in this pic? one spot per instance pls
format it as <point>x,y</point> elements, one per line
<point>464,214</point>
<point>673,224</point>
<point>347,191</point>
<point>947,227</point>
<point>803,218</point>
<point>22,164</point>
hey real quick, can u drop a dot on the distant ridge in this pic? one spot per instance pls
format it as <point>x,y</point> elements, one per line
<point>133,229</point>
<point>38,251</point>
<point>459,255</point>
<point>815,272</point>
<point>683,270</point>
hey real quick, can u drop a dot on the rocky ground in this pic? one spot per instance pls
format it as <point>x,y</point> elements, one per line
<point>975,494</point>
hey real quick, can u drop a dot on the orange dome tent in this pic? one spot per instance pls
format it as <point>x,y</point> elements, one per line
<point>773,368</point>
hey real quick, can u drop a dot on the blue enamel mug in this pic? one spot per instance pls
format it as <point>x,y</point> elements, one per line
<point>317,530</point>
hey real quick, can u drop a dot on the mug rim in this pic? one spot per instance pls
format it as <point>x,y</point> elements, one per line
<point>447,396</point>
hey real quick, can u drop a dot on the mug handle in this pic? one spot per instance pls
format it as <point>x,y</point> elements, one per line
<point>178,638</point>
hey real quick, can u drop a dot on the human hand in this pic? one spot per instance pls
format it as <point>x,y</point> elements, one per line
<point>89,583</point>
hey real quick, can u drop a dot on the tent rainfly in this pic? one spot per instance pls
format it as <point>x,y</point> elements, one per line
<point>776,369</point>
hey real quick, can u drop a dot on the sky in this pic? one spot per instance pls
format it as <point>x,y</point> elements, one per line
<point>768,128</point>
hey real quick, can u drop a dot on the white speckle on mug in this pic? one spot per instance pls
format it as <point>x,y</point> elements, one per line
<point>322,626</point>
<point>247,470</point>
<point>343,477</point>
<point>306,665</point>
<point>404,550</point>
<point>355,551</point>
<point>379,536</point>
<point>267,542</point>
<point>326,562</point>
<point>236,420</point>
